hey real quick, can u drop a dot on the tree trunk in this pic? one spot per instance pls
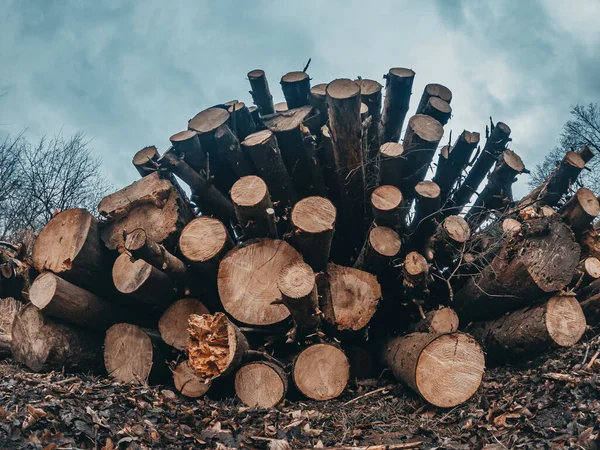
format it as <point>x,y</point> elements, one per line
<point>261,96</point>
<point>331,168</point>
<point>242,121</point>
<point>443,320</point>
<point>298,288</point>
<point>173,324</point>
<point>9,308</point>
<point>251,201</point>
<point>391,160</point>
<point>381,247</point>
<point>248,281</point>
<point>261,384</point>
<point>448,242</point>
<point>60,299</point>
<point>186,145</point>
<point>416,279</point>
<point>558,322</point>
<point>427,206</point>
<point>580,210</point>
<point>145,160</point>
<point>133,354</point>
<point>398,89</point>
<point>321,372</point>
<point>370,95</point>
<point>386,203</point>
<point>586,154</point>
<point>588,271</point>
<point>318,99</point>
<point>313,223</point>
<point>43,344</point>
<point>141,281</point>
<point>187,382</point>
<point>434,90</point>
<point>296,89</point>
<point>444,369</point>
<point>439,109</point>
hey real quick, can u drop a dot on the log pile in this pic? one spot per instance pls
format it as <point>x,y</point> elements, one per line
<point>314,248</point>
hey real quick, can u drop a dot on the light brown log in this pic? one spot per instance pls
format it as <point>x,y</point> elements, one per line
<point>321,372</point>
<point>187,382</point>
<point>448,241</point>
<point>133,354</point>
<point>142,281</point>
<point>296,89</point>
<point>439,109</point>
<point>318,99</point>
<point>141,247</point>
<point>43,344</point>
<point>298,288</point>
<point>442,320</point>
<point>416,269</point>
<point>60,299</point>
<point>349,297</point>
<point>241,120</point>
<point>391,160</point>
<point>70,246</point>
<point>186,145</point>
<point>261,384</point>
<point>313,223</point>
<point>248,283</point>
<point>386,202</point>
<point>145,160</point>
<point>558,322</point>
<point>203,243</point>
<point>370,95</point>
<point>173,324</point>
<point>261,95</point>
<point>216,346</point>
<point>381,247</point>
<point>433,90</point>
<point>398,89</point>
<point>251,200</point>
<point>444,369</point>
<point>9,308</point>
<point>581,209</point>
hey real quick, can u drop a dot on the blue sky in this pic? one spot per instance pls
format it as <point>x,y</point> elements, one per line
<point>130,74</point>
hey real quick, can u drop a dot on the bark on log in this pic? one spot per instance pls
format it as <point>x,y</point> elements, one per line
<point>386,202</point>
<point>43,344</point>
<point>590,242</point>
<point>9,308</point>
<point>434,90</point>
<point>313,223</point>
<point>444,369</point>
<point>251,201</point>
<point>370,95</point>
<point>133,354</point>
<point>242,121</point>
<point>296,89</point>
<point>591,309</point>
<point>586,154</point>
<point>321,372</point>
<point>187,382</point>
<point>381,247</point>
<point>558,322</point>
<point>261,384</point>
<point>70,246</point>
<point>331,168</point>
<point>416,278</point>
<point>448,241</point>
<point>266,156</point>
<point>186,145</point>
<point>62,300</point>
<point>318,99</point>
<point>261,95</point>
<point>391,161</point>
<point>438,109</point>
<point>516,277</point>
<point>443,320</point>
<point>140,280</point>
<point>247,286</point>
<point>298,288</point>
<point>145,160</point>
<point>398,89</point>
<point>580,210</point>
<point>281,107</point>
<point>216,346</point>
<point>173,324</point>
<point>349,297</point>
<point>427,206</point>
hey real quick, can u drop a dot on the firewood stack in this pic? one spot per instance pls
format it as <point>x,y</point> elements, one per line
<point>315,246</point>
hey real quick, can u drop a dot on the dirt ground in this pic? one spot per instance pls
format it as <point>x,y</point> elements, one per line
<point>552,402</point>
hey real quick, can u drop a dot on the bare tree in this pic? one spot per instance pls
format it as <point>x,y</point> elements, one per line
<point>10,158</point>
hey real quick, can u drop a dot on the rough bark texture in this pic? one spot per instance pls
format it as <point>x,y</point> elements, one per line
<point>261,96</point>
<point>9,308</point>
<point>427,206</point>
<point>591,309</point>
<point>186,145</point>
<point>145,160</point>
<point>398,89</point>
<point>261,384</point>
<point>381,248</point>
<point>173,323</point>
<point>296,89</point>
<point>318,99</point>
<point>251,201</point>
<point>580,210</point>
<point>391,161</point>
<point>242,122</point>
<point>439,109</point>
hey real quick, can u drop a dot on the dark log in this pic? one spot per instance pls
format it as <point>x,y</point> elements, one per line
<point>318,99</point>
<point>251,201</point>
<point>587,272</point>
<point>281,107</point>
<point>391,161</point>
<point>427,206</point>
<point>386,202</point>
<point>186,145</point>
<point>416,278</point>
<point>187,382</point>
<point>580,210</point>
<point>586,153</point>
<point>438,109</point>
<point>298,288</point>
<point>590,242</point>
<point>261,384</point>
<point>381,247</point>
<point>241,120</point>
<point>331,168</point>
<point>9,308</point>
<point>261,96</point>
<point>296,89</point>
<point>434,90</point>
<point>398,89</point>
<point>173,323</point>
<point>145,160</point>
<point>442,320</point>
<point>448,241</point>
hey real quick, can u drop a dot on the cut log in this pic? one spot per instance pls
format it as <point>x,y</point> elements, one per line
<point>434,90</point>
<point>247,285</point>
<point>416,278</point>
<point>142,281</point>
<point>145,160</point>
<point>133,354</point>
<point>558,322</point>
<point>386,202</point>
<point>261,384</point>
<point>427,206</point>
<point>391,160</point>
<point>331,168</point>
<point>313,222</point>
<point>321,372</point>
<point>281,107</point>
<point>494,146</point>
<point>9,308</point>
<point>203,243</point>
<point>298,288</point>
<point>591,309</point>
<point>186,145</point>
<point>381,248</point>
<point>586,153</point>
<point>70,246</point>
<point>58,298</point>
<point>43,344</point>
<point>445,369</point>
<point>439,109</point>
<point>261,95</point>
<point>242,121</point>
<point>141,247</point>
<point>443,320</point>
<point>398,89</point>
<point>532,264</point>
<point>370,95</point>
<point>251,201</point>
<point>590,242</point>
<point>581,209</point>
<point>588,271</point>
<point>296,89</point>
<point>187,382</point>
<point>318,99</point>
<point>349,297</point>
<point>448,242</point>
<point>173,324</point>
<point>216,346</point>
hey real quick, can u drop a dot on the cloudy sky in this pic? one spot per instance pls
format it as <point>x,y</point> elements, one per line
<point>132,74</point>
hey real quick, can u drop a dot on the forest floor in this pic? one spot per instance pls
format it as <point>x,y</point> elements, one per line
<point>552,402</point>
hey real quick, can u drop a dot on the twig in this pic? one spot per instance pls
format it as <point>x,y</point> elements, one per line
<point>365,395</point>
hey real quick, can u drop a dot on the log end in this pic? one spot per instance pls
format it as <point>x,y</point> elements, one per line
<point>427,128</point>
<point>261,384</point>
<point>294,77</point>
<point>181,136</point>
<point>128,353</point>
<point>427,189</point>
<point>203,239</point>
<point>296,280</point>
<point>385,241</point>
<point>256,74</point>
<point>440,91</point>
<point>443,320</point>
<point>402,72</point>
<point>415,265</point>
<point>510,227</point>
<point>208,120</point>
<point>314,215</point>
<point>43,289</point>
<point>187,383</point>
<point>258,138</point>
<point>343,88</point>
<point>457,229</point>
<point>129,275</point>
<point>174,321</point>
<point>248,191</point>
<point>321,372</point>
<point>386,198</point>
<point>565,320</point>
<point>591,266</point>
<point>146,154</point>
<point>391,150</point>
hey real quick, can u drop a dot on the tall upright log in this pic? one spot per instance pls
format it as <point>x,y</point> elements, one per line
<point>386,202</point>
<point>251,201</point>
<point>9,308</point>
<point>318,99</point>
<point>241,120</point>
<point>298,288</point>
<point>391,161</point>
<point>173,324</point>
<point>581,209</point>
<point>186,145</point>
<point>438,109</point>
<point>433,90</point>
<point>145,160</point>
<point>296,89</point>
<point>381,248</point>
<point>398,89</point>
<point>261,95</point>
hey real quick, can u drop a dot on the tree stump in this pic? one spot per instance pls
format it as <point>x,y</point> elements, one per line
<point>261,95</point>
